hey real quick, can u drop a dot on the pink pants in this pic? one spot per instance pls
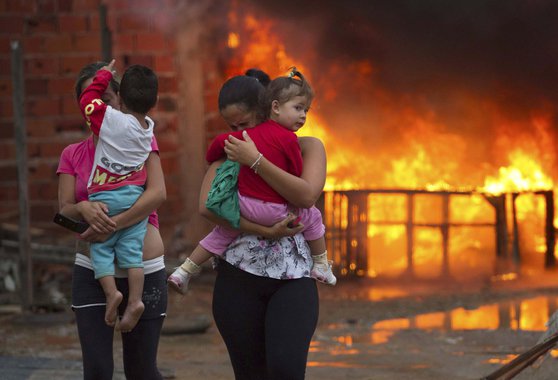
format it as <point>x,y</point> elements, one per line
<point>266,214</point>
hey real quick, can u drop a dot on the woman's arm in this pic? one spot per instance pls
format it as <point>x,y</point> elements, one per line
<point>301,191</point>
<point>94,213</point>
<point>154,195</point>
<point>278,230</point>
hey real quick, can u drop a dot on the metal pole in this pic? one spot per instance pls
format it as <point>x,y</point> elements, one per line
<point>106,35</point>
<point>25,264</point>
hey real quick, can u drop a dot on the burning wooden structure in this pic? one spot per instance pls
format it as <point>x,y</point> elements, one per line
<point>348,217</point>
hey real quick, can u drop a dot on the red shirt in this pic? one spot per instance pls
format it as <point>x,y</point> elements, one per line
<point>278,145</point>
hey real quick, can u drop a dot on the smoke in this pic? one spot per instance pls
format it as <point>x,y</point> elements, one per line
<point>450,61</point>
<point>483,47</point>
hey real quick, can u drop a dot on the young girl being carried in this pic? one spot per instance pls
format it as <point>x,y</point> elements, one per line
<point>286,102</point>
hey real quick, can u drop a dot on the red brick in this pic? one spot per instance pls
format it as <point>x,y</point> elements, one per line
<point>86,5</point>
<point>165,123</point>
<point>151,42</point>
<point>94,22</point>
<point>6,109</point>
<point>6,130</point>
<point>41,66</point>
<point>8,150</point>
<point>48,190</point>
<point>65,5</point>
<point>166,104</point>
<point>168,143</point>
<point>128,22</point>
<point>70,124</point>
<point>18,6</point>
<point>42,170</point>
<point>46,129</point>
<point>61,86</point>
<point>60,43</point>
<point>170,164</point>
<point>171,45</point>
<point>168,85</point>
<point>12,24</point>
<point>35,87</point>
<point>33,44</point>
<point>124,42</point>
<point>69,105</point>
<point>163,20</point>
<point>5,47</point>
<point>216,125</point>
<point>8,173</point>
<point>112,18</point>
<point>52,149</point>
<point>136,59</point>
<point>169,207</point>
<point>33,149</point>
<point>41,24</point>
<point>47,6</point>
<point>42,211</point>
<point>87,43</point>
<point>41,107</point>
<point>173,190</point>
<point>9,193</point>
<point>5,85</point>
<point>73,64</point>
<point>211,102</point>
<point>69,23</point>
<point>164,64</point>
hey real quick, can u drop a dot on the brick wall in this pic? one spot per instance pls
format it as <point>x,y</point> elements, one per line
<point>58,37</point>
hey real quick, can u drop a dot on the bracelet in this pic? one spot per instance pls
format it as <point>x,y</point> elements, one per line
<point>256,164</point>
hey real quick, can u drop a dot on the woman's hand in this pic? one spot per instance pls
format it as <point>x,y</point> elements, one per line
<point>282,229</point>
<point>241,151</point>
<point>93,237</point>
<point>95,214</point>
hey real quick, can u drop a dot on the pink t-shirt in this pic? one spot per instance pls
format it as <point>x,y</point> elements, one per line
<point>77,160</point>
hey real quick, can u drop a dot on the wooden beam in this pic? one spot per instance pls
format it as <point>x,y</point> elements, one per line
<point>25,263</point>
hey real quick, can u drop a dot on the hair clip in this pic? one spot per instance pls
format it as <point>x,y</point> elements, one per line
<point>292,73</point>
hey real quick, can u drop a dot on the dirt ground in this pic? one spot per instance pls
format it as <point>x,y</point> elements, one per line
<point>366,330</point>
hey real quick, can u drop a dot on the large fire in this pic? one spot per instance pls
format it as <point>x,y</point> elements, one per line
<point>400,143</point>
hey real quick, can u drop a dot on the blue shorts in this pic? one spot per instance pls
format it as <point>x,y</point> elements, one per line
<point>125,245</point>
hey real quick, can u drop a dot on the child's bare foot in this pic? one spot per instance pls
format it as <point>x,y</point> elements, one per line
<point>131,316</point>
<point>113,300</point>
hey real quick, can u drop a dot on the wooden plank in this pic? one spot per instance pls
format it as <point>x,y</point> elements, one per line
<point>25,263</point>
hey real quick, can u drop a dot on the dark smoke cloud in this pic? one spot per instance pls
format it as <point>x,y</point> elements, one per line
<point>506,49</point>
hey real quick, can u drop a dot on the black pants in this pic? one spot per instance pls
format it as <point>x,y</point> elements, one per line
<point>267,324</point>
<point>96,338</point>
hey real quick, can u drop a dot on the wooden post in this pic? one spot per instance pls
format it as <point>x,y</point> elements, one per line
<point>550,232</point>
<point>106,36</point>
<point>25,264</point>
<point>410,232</point>
<point>445,234</point>
<point>357,241</point>
<point>501,226</point>
<point>515,246</point>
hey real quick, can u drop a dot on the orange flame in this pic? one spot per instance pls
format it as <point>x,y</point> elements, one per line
<point>424,156</point>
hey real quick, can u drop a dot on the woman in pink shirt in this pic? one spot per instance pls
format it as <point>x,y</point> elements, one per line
<point>88,300</point>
